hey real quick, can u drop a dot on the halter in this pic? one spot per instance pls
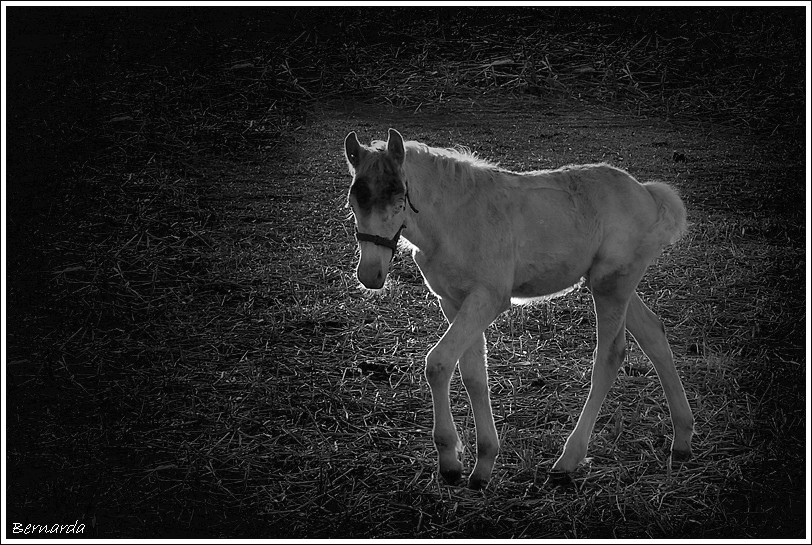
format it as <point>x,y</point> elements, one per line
<point>391,243</point>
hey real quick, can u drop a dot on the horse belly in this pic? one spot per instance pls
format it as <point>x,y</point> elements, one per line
<point>554,244</point>
<point>546,280</point>
<point>551,265</point>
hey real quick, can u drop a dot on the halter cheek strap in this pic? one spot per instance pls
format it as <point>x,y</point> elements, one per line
<point>391,243</point>
<point>408,200</point>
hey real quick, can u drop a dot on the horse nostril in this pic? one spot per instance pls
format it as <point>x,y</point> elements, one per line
<point>372,279</point>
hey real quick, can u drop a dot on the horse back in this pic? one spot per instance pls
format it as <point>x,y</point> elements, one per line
<point>537,234</point>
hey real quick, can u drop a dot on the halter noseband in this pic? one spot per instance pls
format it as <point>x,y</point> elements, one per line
<point>391,243</point>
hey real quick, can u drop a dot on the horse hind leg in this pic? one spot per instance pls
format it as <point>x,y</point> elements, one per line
<point>649,333</point>
<point>610,309</point>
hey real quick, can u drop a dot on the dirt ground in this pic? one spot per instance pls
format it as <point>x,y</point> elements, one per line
<point>306,178</point>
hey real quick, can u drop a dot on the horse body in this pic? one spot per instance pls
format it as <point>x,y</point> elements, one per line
<point>485,236</point>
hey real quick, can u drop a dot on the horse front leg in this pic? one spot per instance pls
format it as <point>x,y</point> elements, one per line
<point>468,322</point>
<point>474,371</point>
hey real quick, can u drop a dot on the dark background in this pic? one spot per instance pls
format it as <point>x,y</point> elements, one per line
<point>109,107</point>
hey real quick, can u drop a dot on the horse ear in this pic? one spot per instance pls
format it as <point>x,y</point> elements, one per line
<point>395,146</point>
<point>352,150</point>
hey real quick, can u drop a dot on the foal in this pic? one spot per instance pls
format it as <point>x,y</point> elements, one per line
<point>483,236</point>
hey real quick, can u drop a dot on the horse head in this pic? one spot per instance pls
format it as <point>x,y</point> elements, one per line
<point>378,197</point>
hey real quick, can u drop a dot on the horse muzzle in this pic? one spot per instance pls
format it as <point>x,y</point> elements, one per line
<point>373,267</point>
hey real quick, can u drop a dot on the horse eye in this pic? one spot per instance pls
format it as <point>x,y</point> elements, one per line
<point>362,194</point>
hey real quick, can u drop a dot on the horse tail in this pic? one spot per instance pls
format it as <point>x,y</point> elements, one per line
<point>671,215</point>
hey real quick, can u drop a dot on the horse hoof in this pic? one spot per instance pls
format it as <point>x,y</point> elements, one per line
<point>477,484</point>
<point>559,479</point>
<point>451,476</point>
<point>680,456</point>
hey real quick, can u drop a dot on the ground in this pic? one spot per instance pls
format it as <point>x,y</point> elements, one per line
<point>190,355</point>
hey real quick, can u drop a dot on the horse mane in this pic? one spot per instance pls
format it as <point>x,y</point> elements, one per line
<point>457,154</point>
<point>456,167</point>
<point>461,154</point>
<point>460,167</point>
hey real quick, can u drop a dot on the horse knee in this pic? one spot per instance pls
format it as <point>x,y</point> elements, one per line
<point>614,356</point>
<point>438,368</point>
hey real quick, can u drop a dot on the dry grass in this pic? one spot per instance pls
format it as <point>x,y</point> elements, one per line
<point>190,354</point>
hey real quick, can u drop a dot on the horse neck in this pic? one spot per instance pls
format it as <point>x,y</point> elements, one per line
<point>430,190</point>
